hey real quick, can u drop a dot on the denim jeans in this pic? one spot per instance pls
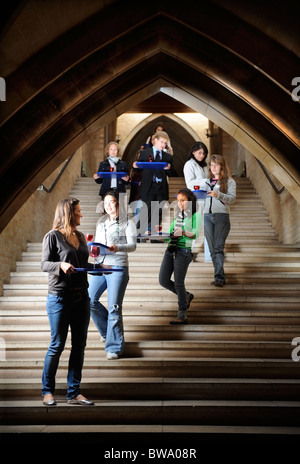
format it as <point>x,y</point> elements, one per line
<point>177,263</point>
<point>109,321</point>
<point>70,310</point>
<point>216,230</point>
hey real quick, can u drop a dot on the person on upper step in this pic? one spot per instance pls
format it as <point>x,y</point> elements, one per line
<point>221,192</point>
<point>154,184</point>
<point>113,163</point>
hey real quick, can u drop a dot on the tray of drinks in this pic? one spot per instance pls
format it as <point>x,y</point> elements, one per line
<point>151,164</point>
<point>100,269</point>
<point>200,194</point>
<point>112,174</point>
<point>157,236</point>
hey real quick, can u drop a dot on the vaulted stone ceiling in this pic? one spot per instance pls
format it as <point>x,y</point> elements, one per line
<point>72,66</point>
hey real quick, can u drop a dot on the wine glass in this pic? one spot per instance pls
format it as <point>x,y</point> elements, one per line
<point>89,237</point>
<point>94,253</point>
<point>158,228</point>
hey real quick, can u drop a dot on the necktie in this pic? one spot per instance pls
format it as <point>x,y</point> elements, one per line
<point>157,173</point>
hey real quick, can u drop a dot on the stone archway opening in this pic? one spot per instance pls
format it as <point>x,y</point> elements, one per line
<point>181,141</point>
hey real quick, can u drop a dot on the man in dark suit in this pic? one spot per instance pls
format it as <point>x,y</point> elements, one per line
<point>154,185</point>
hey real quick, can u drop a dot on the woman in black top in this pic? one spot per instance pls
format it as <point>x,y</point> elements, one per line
<point>64,249</point>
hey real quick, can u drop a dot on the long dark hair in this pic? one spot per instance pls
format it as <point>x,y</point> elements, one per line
<point>64,217</point>
<point>191,199</point>
<point>198,146</point>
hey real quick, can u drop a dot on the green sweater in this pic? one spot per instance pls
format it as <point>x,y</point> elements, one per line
<point>190,224</point>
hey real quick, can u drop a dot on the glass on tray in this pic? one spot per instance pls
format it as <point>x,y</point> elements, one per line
<point>89,237</point>
<point>94,253</point>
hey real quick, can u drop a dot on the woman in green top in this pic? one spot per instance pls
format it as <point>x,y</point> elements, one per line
<point>184,230</point>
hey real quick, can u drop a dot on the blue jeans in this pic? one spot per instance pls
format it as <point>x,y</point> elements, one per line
<point>177,262</point>
<point>70,310</point>
<point>109,321</point>
<point>216,230</point>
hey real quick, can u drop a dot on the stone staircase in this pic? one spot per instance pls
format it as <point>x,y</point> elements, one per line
<point>229,370</point>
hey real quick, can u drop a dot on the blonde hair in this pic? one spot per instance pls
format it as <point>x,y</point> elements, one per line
<point>107,148</point>
<point>161,134</point>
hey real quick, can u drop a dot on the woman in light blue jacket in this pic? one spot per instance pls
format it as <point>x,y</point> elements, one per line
<point>221,192</point>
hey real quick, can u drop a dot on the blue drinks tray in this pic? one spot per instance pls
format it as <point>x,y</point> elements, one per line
<point>109,175</point>
<point>200,194</point>
<point>151,164</point>
<point>103,270</point>
<point>161,236</point>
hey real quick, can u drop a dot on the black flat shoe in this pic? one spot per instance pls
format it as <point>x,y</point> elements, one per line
<point>179,322</point>
<point>189,300</point>
<point>219,283</point>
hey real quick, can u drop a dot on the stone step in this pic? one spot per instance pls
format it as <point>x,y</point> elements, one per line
<point>165,349</point>
<point>156,257</point>
<point>251,278</point>
<point>161,295</point>
<point>199,281</point>
<point>232,266</point>
<point>194,412</point>
<point>220,310</point>
<point>154,388</point>
<point>14,328</point>
<point>183,367</point>
<point>197,438</point>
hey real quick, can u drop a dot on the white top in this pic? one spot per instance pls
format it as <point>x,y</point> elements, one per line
<point>193,173</point>
<point>122,234</point>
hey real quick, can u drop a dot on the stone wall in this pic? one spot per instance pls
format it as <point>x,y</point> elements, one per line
<point>282,209</point>
<point>35,218</point>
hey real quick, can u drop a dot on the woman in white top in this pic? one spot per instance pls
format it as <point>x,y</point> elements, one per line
<point>119,234</point>
<point>194,168</point>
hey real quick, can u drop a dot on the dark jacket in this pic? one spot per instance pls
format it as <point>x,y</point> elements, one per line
<point>105,183</point>
<point>147,176</point>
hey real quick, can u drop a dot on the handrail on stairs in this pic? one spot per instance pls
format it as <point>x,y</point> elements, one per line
<point>49,190</point>
<point>276,190</point>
